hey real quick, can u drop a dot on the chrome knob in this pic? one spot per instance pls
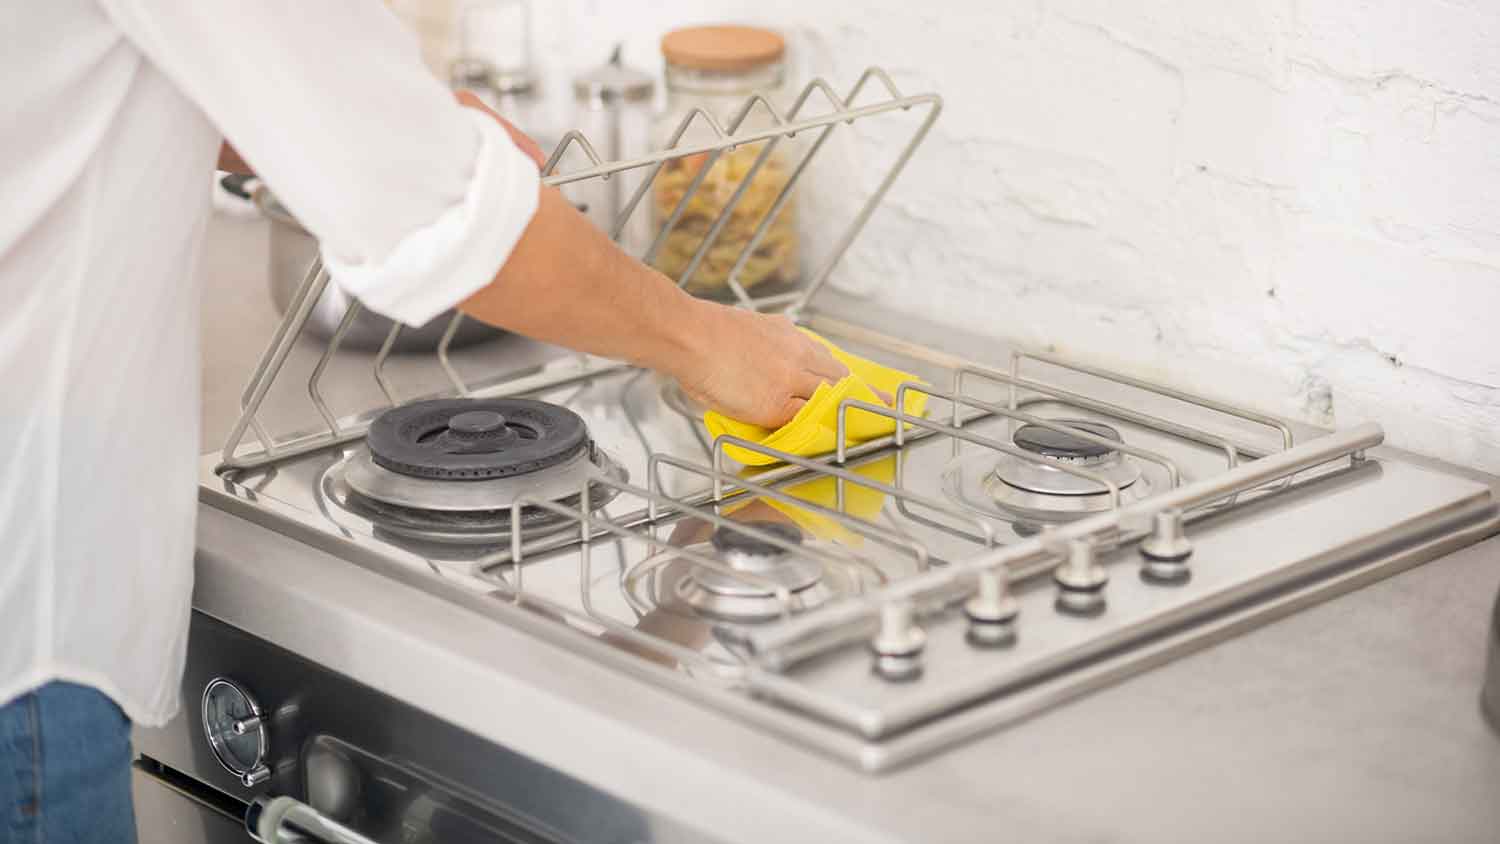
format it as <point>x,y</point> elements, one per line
<point>255,776</point>
<point>992,611</point>
<point>244,726</point>
<point>1080,581</point>
<point>1165,552</point>
<point>234,725</point>
<point>899,643</point>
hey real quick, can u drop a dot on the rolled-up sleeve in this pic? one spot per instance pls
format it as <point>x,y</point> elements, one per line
<point>415,200</point>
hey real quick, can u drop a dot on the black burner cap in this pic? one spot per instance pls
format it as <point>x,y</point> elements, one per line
<point>473,439</point>
<point>477,422</point>
<point>727,539</point>
<point>1058,444</point>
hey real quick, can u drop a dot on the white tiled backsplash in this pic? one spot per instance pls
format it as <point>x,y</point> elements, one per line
<point>1295,205</point>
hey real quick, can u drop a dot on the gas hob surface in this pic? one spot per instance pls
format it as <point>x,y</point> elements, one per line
<point>1045,529</point>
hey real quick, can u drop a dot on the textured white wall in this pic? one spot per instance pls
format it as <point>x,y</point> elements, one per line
<point>1294,204</point>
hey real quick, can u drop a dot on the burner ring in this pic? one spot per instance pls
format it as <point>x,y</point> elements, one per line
<point>468,513</point>
<point>705,602</point>
<point>367,477</point>
<point>670,581</point>
<point>1057,452</point>
<point>1063,446</point>
<point>475,439</point>
<point>980,486</point>
<point>1049,507</point>
<point>729,541</point>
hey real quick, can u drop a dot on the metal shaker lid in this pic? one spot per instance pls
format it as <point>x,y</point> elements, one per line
<point>613,82</point>
<point>480,75</point>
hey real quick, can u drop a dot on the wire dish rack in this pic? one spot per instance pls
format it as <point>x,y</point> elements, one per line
<point>873,95</point>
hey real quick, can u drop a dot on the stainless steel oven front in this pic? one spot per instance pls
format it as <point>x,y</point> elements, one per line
<point>272,747</point>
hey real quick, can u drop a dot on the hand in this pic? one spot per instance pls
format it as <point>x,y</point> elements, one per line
<point>754,367</point>
<point>522,140</point>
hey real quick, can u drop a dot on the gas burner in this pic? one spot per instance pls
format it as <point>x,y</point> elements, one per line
<point>1065,446</point>
<point>475,439</point>
<point>1060,447</point>
<point>693,589</point>
<point>457,527</point>
<point>1039,491</point>
<point>450,470</point>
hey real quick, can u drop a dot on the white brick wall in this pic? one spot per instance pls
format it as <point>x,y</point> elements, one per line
<point>1294,204</point>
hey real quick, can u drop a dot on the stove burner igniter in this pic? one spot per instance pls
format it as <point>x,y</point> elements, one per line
<point>898,645</point>
<point>1080,581</point>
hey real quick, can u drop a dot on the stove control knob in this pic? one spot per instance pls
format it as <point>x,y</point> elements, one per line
<point>1080,581</point>
<point>245,726</point>
<point>992,611</point>
<point>235,728</point>
<point>1165,552</point>
<point>898,645</point>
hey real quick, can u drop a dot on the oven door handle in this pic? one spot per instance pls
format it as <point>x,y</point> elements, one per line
<point>270,819</point>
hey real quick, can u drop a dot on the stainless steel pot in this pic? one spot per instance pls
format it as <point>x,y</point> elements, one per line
<point>292,250</point>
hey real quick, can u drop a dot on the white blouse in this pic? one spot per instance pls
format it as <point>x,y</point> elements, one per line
<point>114,110</point>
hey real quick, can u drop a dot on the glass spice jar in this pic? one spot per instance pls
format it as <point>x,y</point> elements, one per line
<point>717,68</point>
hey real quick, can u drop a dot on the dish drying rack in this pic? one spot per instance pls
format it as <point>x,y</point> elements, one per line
<point>267,448</point>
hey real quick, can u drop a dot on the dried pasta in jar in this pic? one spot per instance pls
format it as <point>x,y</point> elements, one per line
<point>714,70</point>
<point>775,256</point>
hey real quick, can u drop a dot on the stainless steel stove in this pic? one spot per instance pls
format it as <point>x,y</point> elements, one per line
<point>1047,527</point>
<point>1013,549</point>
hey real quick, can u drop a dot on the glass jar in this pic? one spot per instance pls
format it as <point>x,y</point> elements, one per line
<point>613,110</point>
<point>493,60</point>
<point>717,69</point>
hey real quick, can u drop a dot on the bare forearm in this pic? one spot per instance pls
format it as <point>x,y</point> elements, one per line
<point>567,283</point>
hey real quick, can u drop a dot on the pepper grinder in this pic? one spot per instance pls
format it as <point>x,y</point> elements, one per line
<point>613,105</point>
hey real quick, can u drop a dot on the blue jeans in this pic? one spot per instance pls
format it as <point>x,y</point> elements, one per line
<point>64,768</point>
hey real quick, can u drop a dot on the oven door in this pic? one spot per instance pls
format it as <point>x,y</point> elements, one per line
<point>378,802</point>
<point>272,747</point>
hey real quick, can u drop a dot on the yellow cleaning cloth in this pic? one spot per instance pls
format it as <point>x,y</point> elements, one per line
<point>814,430</point>
<point>860,501</point>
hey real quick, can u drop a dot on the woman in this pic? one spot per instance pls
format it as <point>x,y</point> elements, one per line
<point>116,110</point>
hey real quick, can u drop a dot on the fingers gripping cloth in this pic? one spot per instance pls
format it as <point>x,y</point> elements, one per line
<point>814,430</point>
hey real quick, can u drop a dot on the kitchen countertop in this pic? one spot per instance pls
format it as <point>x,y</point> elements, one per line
<point>1354,720</point>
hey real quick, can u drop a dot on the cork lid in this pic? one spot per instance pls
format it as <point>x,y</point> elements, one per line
<point>722,47</point>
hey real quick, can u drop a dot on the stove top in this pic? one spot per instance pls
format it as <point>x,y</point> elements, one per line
<point>1047,528</point>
